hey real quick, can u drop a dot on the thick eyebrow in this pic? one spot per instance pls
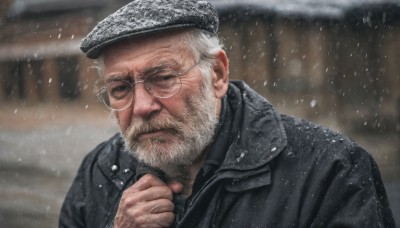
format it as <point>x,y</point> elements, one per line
<point>144,73</point>
<point>117,77</point>
<point>151,70</point>
<point>161,66</point>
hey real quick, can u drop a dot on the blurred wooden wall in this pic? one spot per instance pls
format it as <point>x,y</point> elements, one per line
<point>317,69</point>
<point>346,70</point>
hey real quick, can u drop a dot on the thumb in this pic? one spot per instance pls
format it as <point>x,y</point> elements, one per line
<point>175,186</point>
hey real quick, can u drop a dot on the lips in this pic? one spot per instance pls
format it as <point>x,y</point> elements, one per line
<point>156,133</point>
<point>159,129</point>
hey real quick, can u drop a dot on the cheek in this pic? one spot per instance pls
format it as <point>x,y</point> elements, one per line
<point>176,106</point>
<point>124,119</point>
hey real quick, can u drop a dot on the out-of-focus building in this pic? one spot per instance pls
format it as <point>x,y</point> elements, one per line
<point>338,58</point>
<point>40,60</point>
<point>329,56</point>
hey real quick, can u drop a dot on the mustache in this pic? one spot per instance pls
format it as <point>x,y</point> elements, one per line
<point>140,126</point>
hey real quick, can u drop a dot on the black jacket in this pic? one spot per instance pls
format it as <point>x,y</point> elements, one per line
<point>276,171</point>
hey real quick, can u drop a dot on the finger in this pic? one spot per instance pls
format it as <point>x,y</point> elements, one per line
<point>152,207</point>
<point>147,214</point>
<point>165,219</point>
<point>158,206</point>
<point>146,182</point>
<point>131,198</point>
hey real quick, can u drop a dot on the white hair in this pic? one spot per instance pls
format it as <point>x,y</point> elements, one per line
<point>204,47</point>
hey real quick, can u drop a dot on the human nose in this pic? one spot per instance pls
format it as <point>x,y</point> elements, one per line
<point>144,104</point>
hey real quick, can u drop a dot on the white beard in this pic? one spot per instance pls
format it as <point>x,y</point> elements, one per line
<point>189,135</point>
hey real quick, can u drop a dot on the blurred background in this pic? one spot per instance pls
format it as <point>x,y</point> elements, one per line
<point>329,61</point>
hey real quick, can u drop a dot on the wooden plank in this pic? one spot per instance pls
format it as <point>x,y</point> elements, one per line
<point>320,100</point>
<point>51,83</point>
<point>256,56</point>
<point>230,32</point>
<point>3,70</point>
<point>87,77</point>
<point>30,78</point>
<point>391,58</point>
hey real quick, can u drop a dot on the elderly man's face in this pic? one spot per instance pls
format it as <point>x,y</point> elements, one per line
<point>168,131</point>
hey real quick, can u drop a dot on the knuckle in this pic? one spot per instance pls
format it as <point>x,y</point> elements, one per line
<point>132,201</point>
<point>142,221</point>
<point>163,206</point>
<point>129,199</point>
<point>148,178</point>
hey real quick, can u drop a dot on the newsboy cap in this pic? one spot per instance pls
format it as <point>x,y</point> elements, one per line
<point>143,17</point>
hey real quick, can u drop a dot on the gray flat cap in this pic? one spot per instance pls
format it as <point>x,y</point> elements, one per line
<point>143,17</point>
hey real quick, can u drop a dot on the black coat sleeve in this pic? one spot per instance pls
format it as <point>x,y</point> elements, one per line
<point>72,213</point>
<point>93,197</point>
<point>335,181</point>
<point>354,195</point>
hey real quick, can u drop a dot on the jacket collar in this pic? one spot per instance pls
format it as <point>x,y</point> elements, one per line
<point>258,133</point>
<point>115,163</point>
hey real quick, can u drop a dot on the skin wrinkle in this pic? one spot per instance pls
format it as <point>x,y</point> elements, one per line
<point>147,71</point>
<point>139,72</point>
<point>180,136</point>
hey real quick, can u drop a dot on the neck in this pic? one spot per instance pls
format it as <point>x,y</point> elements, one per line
<point>186,174</point>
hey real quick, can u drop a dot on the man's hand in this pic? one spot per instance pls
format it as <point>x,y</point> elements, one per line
<point>147,203</point>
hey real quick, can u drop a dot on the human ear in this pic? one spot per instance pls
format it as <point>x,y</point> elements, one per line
<point>220,74</point>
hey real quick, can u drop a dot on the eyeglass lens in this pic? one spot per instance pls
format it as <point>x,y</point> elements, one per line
<point>118,95</point>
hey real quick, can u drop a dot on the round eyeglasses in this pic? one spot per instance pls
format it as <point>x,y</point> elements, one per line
<point>117,94</point>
